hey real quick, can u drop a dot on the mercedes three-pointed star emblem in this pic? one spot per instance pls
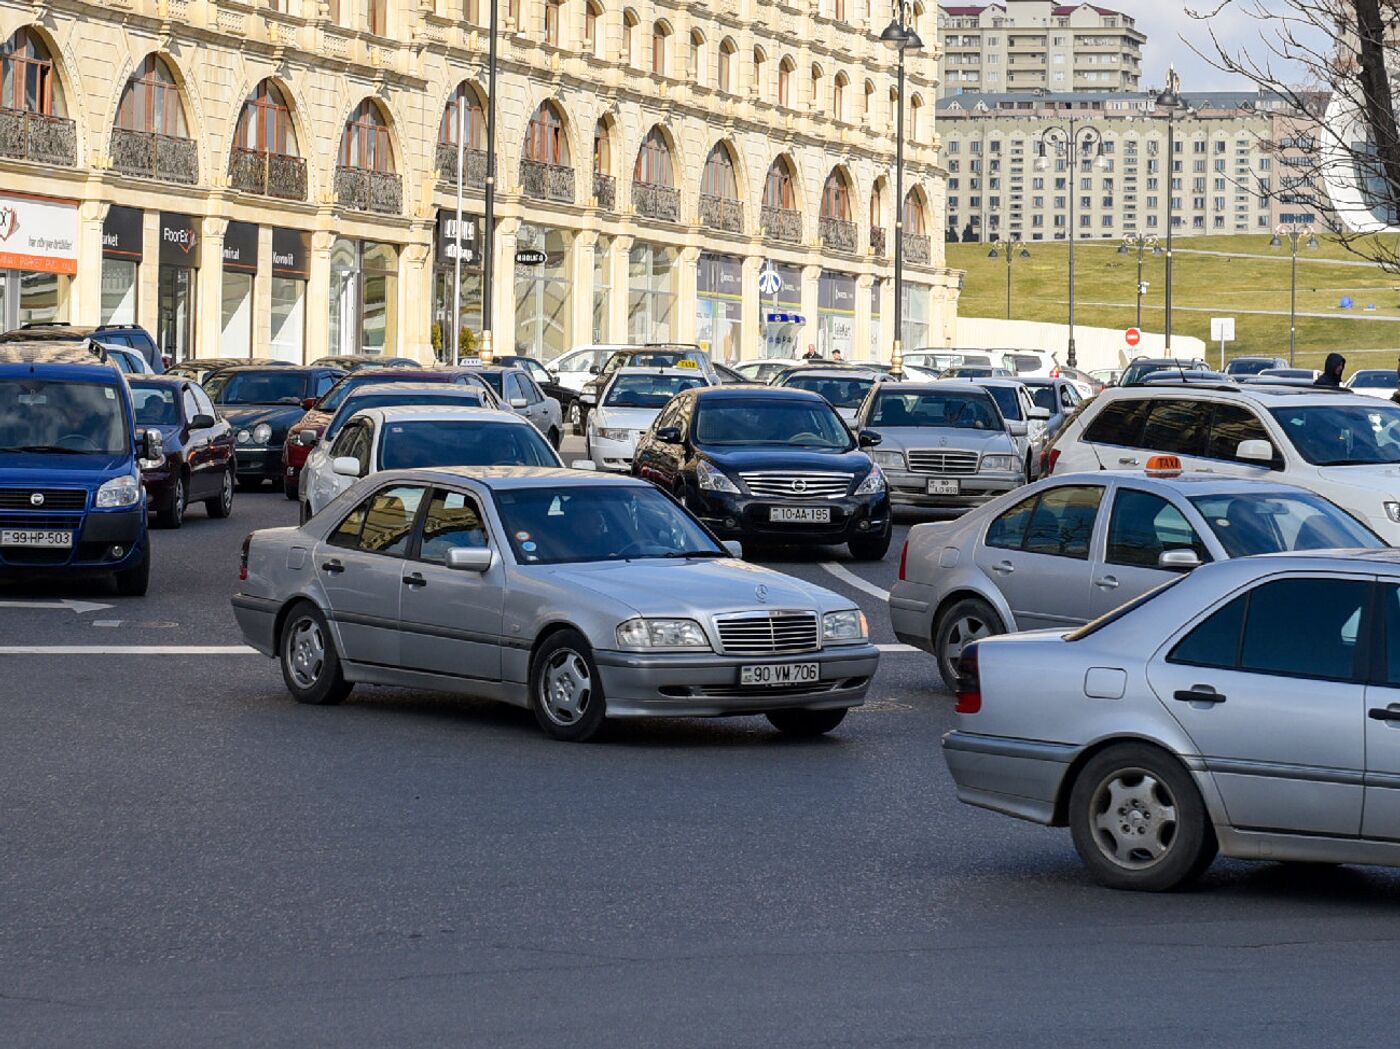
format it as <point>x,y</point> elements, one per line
<point>761,592</point>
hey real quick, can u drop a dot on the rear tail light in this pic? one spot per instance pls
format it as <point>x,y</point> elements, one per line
<point>903,560</point>
<point>1048,459</point>
<point>969,682</point>
<point>243,558</point>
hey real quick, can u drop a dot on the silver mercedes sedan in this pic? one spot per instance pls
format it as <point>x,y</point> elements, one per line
<point>1252,707</point>
<point>579,596</point>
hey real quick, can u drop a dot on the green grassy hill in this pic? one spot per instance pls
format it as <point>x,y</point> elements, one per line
<point>1203,286</point>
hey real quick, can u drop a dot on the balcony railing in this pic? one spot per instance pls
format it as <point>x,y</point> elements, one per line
<point>721,213</point>
<point>877,240</point>
<point>656,202</point>
<point>605,189</point>
<point>916,248</point>
<point>48,139</point>
<point>476,165</point>
<point>782,224</point>
<point>547,181</point>
<point>270,174</point>
<point>838,234</point>
<point>365,190</point>
<point>146,154</point>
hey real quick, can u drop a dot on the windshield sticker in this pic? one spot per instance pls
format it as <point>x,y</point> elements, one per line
<point>522,537</point>
<point>528,547</point>
<point>109,393</point>
<point>33,398</point>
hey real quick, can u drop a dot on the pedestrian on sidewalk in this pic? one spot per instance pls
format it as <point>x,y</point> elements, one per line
<point>1332,371</point>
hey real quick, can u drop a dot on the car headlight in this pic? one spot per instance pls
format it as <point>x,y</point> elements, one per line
<point>609,433</point>
<point>150,464</point>
<point>243,437</point>
<point>119,492</point>
<point>849,625</point>
<point>894,460</point>
<point>874,482</point>
<point>1392,510</point>
<point>262,433</point>
<point>661,633</point>
<point>997,464</point>
<point>711,479</point>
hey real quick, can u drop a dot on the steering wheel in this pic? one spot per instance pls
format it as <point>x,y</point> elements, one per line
<point>78,438</point>
<point>802,438</point>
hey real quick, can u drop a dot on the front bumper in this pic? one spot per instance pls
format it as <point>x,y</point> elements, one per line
<point>98,532</point>
<point>612,455</point>
<point>1018,777</point>
<point>260,463</point>
<point>911,489</point>
<point>707,684</point>
<point>732,516</point>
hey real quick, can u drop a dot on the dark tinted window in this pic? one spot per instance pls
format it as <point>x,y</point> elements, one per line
<point>275,386</point>
<point>1020,362</point>
<point>1216,642</point>
<point>1231,425</point>
<point>1008,531</point>
<point>955,409</point>
<point>1145,526</point>
<point>1119,423</point>
<point>462,442</point>
<point>1045,397</point>
<point>1176,426</point>
<point>155,406</point>
<point>1321,643</point>
<point>1252,523</point>
<point>1008,400</point>
<point>1063,522</point>
<point>389,520</point>
<point>452,521</point>
<point>1392,635</point>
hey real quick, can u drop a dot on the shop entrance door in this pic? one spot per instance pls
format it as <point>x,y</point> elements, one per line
<point>175,312</point>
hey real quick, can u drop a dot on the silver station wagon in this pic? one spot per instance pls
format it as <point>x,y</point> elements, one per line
<point>579,596</point>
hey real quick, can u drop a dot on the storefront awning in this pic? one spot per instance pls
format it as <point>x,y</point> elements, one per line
<point>783,318</point>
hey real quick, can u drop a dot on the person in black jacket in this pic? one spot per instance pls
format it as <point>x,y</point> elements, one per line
<point>1332,371</point>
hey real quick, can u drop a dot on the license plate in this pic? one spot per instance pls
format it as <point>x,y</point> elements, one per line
<point>780,674</point>
<point>35,537</point>
<point>800,514</point>
<point>945,488</point>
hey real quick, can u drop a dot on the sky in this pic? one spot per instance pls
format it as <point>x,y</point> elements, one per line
<point>1170,28</point>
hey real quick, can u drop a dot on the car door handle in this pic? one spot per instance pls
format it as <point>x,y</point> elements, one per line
<point>1199,694</point>
<point>332,567</point>
<point>1108,582</point>
<point>1004,567</point>
<point>1391,714</point>
<point>415,580</point>
<point>1127,460</point>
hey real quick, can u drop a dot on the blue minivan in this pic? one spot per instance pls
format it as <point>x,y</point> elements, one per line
<point>71,501</point>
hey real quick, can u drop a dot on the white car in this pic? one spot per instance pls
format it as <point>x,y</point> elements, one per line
<point>630,404</point>
<point>1031,363</point>
<point>1374,382</point>
<point>402,438</point>
<point>575,369</point>
<point>766,369</point>
<point>1342,446</point>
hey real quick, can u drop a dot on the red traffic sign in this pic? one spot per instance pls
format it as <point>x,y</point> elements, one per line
<point>1132,336</point>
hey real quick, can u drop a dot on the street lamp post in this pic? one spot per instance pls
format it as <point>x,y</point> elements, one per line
<point>1070,140</point>
<point>1008,248</point>
<point>1170,99</point>
<point>900,36</point>
<point>1293,232</point>
<point>1139,242</point>
<point>488,220</point>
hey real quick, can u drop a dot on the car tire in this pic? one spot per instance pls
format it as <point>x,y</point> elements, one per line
<point>222,504</point>
<point>805,723</point>
<point>963,622</point>
<point>554,438</point>
<point>173,516</point>
<point>566,691</point>
<point>310,664</point>
<point>873,548</point>
<point>134,581</point>
<point>289,489</point>
<point>575,418</point>
<point>1138,820</point>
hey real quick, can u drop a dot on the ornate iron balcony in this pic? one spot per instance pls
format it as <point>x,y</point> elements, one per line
<point>270,174</point>
<point>26,135</point>
<point>782,224</point>
<point>476,165</point>
<point>547,181</point>
<point>656,202</point>
<point>605,189</point>
<point>145,154</point>
<point>365,190</point>
<point>916,248</point>
<point>838,234</point>
<point>721,213</point>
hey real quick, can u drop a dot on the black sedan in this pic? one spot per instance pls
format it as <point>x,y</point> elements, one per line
<point>262,404</point>
<point>198,464</point>
<point>769,466</point>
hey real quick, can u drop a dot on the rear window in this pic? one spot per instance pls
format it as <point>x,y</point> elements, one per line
<point>1119,423</point>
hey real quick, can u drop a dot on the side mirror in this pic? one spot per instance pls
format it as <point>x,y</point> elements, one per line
<point>518,402</point>
<point>306,438</point>
<point>735,548</point>
<point>669,435</point>
<point>1179,560</point>
<point>869,438</point>
<point>309,402</point>
<point>469,559</point>
<point>202,422</point>
<point>593,369</point>
<point>1040,413</point>
<point>152,445</point>
<point>1255,451</point>
<point>1017,428</point>
<point>584,464</point>
<point>346,466</point>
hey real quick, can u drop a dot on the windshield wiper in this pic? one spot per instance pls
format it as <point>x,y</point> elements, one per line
<point>46,448</point>
<point>677,554</point>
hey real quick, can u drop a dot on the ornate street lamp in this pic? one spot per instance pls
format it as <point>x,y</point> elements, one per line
<point>1293,232</point>
<point>1139,242</point>
<point>488,221</point>
<point>1008,248</point>
<point>1170,100</point>
<point>900,36</point>
<point>1071,140</point>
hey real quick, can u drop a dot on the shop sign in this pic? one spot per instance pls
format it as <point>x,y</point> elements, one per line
<point>721,275</point>
<point>38,234</point>
<point>530,257</point>
<point>179,240</point>
<point>291,254</point>
<point>451,242</point>
<point>122,232</point>
<point>241,247</point>
<point>790,294</point>
<point>837,292</point>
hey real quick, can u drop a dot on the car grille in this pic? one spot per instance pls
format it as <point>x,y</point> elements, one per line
<point>927,461</point>
<point>798,485</point>
<point>70,522</point>
<point>767,633</point>
<point>54,498</point>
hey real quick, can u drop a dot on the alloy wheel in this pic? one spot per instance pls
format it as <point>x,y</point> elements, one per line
<point>960,633</point>
<point>306,652</point>
<point>1134,818</point>
<point>566,687</point>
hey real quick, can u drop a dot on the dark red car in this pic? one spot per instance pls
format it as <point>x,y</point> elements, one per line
<point>199,463</point>
<point>302,437</point>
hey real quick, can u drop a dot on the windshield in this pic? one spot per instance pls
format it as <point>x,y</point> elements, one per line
<point>38,415</point>
<point>1045,397</point>
<point>336,395</point>
<point>270,387</point>
<point>549,526</point>
<point>155,406</point>
<point>784,421</point>
<point>652,359</point>
<point>462,442</point>
<point>647,391</point>
<point>1343,434</point>
<point>1278,523</point>
<point>1248,367</point>
<point>1377,380</point>
<point>464,398</point>
<point>1138,369</point>
<point>956,410</point>
<point>1007,401</point>
<point>839,391</point>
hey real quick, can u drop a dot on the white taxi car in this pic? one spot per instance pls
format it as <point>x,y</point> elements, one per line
<point>629,404</point>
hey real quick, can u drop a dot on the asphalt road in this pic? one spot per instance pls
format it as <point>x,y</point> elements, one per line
<point>188,858</point>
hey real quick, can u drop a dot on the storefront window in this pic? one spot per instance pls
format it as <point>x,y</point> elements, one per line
<point>602,287</point>
<point>542,295</point>
<point>43,297</point>
<point>470,316</point>
<point>916,316</point>
<point>836,315</point>
<point>877,349</point>
<point>719,307</point>
<point>651,298</point>
<point>118,291</point>
<point>175,311</point>
<point>364,297</point>
<point>288,302</point>
<point>236,339</point>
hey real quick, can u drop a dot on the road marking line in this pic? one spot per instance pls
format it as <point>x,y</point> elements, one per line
<point>81,607</point>
<point>848,577</point>
<point>127,650</point>
<point>897,650</point>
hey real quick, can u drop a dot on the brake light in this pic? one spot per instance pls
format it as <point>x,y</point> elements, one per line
<point>243,558</point>
<point>1048,459</point>
<point>903,559</point>
<point>969,682</point>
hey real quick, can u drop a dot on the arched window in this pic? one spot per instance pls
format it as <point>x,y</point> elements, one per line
<point>464,108</point>
<point>553,15</point>
<point>838,96</point>
<point>265,125</point>
<point>914,214</point>
<point>724,78</point>
<point>893,111</point>
<point>602,148</point>
<point>592,29</point>
<point>836,197</point>
<point>151,101</point>
<point>877,206</point>
<point>29,82</point>
<point>654,161</point>
<point>759,65</point>
<point>815,86</point>
<point>660,45</point>
<point>779,190</point>
<point>719,179</point>
<point>365,143</point>
<point>785,68</point>
<point>867,103</point>
<point>545,141</point>
<point>629,37</point>
<point>916,113</point>
<point>698,73</point>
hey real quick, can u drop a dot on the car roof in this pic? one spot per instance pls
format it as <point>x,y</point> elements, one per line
<point>280,368</point>
<point>993,380</point>
<point>678,373</point>
<point>1191,483</point>
<point>504,478</point>
<point>51,353</point>
<point>419,413</point>
<point>741,391</point>
<point>436,389</point>
<point>153,379</point>
<point>835,373</point>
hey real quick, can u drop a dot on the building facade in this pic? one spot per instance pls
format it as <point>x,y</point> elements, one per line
<point>280,179</point>
<point>1241,164</point>
<point>1024,45</point>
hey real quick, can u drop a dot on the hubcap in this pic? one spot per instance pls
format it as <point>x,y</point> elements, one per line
<point>566,687</point>
<point>226,493</point>
<point>179,509</point>
<point>1134,819</point>
<point>306,653</point>
<point>962,632</point>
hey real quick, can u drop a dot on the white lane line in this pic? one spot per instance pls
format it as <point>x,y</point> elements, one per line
<point>127,650</point>
<point>848,577</point>
<point>897,650</point>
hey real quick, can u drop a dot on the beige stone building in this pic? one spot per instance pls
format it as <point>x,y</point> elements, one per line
<point>279,178</point>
